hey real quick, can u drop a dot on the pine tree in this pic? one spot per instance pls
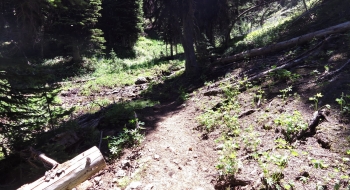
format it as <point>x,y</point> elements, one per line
<point>121,23</point>
<point>74,23</point>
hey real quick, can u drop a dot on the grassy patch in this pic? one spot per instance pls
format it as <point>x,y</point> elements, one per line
<point>114,72</point>
<point>273,30</point>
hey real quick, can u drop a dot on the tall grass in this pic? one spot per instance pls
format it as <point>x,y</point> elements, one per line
<point>114,72</point>
<point>272,30</point>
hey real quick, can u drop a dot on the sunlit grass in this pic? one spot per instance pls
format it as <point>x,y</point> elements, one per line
<point>115,72</point>
<point>271,30</point>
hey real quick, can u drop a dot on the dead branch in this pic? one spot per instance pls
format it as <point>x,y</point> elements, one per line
<point>317,117</point>
<point>248,112</point>
<point>41,156</point>
<point>214,90</point>
<point>287,44</point>
<point>77,81</point>
<point>331,74</point>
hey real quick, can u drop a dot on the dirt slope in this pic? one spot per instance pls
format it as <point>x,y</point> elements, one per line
<point>173,155</point>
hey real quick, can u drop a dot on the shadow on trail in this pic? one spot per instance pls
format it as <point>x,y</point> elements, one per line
<point>19,168</point>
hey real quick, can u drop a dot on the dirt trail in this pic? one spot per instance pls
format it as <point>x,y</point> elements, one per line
<point>175,155</point>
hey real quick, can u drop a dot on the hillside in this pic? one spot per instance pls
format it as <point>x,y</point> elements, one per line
<point>244,124</point>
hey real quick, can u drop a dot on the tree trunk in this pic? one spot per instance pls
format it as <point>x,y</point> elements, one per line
<point>76,52</point>
<point>286,44</point>
<point>71,173</point>
<point>191,65</point>
<point>171,50</point>
<point>175,48</point>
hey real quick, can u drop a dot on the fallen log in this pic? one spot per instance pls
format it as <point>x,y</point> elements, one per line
<point>214,90</point>
<point>71,173</point>
<point>286,44</point>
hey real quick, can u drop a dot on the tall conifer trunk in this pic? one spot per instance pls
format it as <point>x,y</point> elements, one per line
<point>191,64</point>
<point>76,52</point>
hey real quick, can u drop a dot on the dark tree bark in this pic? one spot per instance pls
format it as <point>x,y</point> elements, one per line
<point>191,65</point>
<point>76,52</point>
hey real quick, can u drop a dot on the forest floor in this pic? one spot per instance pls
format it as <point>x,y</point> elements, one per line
<point>223,132</point>
<point>173,154</point>
<point>267,152</point>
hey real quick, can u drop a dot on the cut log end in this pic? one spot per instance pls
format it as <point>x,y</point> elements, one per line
<point>71,173</point>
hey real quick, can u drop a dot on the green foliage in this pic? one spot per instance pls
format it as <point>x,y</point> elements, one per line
<point>272,175</point>
<point>285,91</point>
<point>318,164</point>
<point>228,163</point>
<point>127,138</point>
<point>291,124</point>
<point>258,95</point>
<point>315,99</point>
<point>26,109</point>
<point>121,22</point>
<point>282,144</point>
<point>183,94</point>
<point>121,113</point>
<point>114,72</point>
<point>283,74</point>
<point>75,26</point>
<point>209,120</point>
<point>344,102</point>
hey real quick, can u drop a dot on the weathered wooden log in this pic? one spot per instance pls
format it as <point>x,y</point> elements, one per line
<point>71,173</point>
<point>286,44</point>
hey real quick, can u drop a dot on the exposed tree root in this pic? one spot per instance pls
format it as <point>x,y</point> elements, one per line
<point>317,117</point>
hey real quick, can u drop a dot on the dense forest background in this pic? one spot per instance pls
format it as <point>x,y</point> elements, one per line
<point>51,49</point>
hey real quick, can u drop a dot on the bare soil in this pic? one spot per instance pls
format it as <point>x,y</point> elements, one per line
<point>176,155</point>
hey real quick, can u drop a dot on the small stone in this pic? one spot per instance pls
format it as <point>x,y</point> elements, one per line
<point>190,149</point>
<point>219,147</point>
<point>151,149</point>
<point>134,185</point>
<point>85,185</point>
<point>114,180</point>
<point>148,187</point>
<point>121,173</point>
<point>205,169</point>
<point>141,80</point>
<point>125,164</point>
<point>97,179</point>
<point>195,156</point>
<point>156,156</point>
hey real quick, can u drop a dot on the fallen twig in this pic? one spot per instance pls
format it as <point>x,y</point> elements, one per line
<point>77,81</point>
<point>248,112</point>
<point>330,74</point>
